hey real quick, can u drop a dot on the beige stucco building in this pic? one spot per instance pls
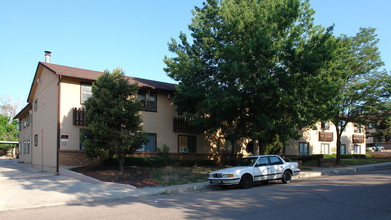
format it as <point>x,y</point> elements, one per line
<point>323,140</point>
<point>54,119</point>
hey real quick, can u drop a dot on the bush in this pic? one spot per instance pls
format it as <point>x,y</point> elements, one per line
<point>159,162</point>
<point>165,151</point>
<point>144,161</point>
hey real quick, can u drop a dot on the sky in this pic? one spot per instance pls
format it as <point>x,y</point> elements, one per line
<point>133,35</point>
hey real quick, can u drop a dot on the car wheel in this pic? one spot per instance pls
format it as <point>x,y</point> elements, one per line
<point>286,177</point>
<point>246,181</point>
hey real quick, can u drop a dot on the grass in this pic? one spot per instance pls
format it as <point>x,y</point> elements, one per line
<point>364,161</point>
<point>349,162</point>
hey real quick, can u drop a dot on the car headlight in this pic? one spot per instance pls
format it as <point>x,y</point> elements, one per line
<point>228,175</point>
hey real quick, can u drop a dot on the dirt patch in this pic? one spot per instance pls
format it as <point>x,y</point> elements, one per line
<point>135,176</point>
<point>167,176</point>
<point>142,177</point>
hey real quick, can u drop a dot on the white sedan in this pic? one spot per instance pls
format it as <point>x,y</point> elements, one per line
<point>255,169</point>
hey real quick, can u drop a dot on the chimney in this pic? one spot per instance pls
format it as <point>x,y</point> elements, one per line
<point>47,56</point>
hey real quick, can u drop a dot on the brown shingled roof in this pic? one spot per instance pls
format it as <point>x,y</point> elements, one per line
<point>93,75</point>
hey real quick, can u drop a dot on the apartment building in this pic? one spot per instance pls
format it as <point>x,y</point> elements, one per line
<point>53,121</point>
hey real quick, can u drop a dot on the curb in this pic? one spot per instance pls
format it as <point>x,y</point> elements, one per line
<point>206,186</point>
<point>303,175</point>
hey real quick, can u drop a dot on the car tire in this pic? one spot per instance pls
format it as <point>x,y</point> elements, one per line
<point>246,181</point>
<point>286,177</point>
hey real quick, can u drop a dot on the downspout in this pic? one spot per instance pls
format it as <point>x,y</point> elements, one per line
<point>58,123</point>
<point>31,135</point>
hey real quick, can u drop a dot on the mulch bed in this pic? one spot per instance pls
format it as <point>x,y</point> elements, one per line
<point>135,176</point>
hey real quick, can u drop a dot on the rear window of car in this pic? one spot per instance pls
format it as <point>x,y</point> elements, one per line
<point>246,161</point>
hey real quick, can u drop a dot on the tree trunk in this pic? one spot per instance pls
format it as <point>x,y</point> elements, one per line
<point>121,164</point>
<point>338,156</point>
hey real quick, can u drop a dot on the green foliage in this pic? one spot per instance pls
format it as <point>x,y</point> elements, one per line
<point>383,130</point>
<point>275,147</point>
<point>8,131</point>
<point>159,162</point>
<point>364,86</point>
<point>114,119</point>
<point>165,151</point>
<point>254,69</point>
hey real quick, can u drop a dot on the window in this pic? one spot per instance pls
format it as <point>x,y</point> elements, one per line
<point>24,147</point>
<point>304,148</point>
<point>36,140</point>
<point>187,144</point>
<point>28,147</point>
<point>343,149</point>
<point>20,147</point>
<point>356,149</point>
<point>150,146</point>
<point>357,128</point>
<point>275,161</point>
<point>149,100</point>
<point>325,125</point>
<point>86,92</point>
<point>225,146</point>
<point>35,105</point>
<point>263,161</point>
<point>26,121</point>
<point>325,149</point>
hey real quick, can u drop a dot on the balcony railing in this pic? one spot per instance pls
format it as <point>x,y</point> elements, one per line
<point>184,125</point>
<point>326,136</point>
<point>358,138</point>
<point>79,116</point>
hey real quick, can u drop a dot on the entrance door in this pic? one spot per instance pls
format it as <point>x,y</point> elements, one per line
<point>325,149</point>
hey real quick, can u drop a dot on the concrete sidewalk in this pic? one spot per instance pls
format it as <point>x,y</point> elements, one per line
<point>23,187</point>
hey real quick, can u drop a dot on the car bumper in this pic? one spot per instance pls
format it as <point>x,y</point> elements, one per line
<point>220,181</point>
<point>295,173</point>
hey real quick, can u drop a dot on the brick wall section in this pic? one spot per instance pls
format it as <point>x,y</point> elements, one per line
<point>75,158</point>
<point>78,158</point>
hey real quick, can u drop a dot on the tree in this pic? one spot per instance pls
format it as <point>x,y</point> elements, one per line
<point>113,118</point>
<point>364,86</point>
<point>8,131</point>
<point>254,69</point>
<point>8,106</point>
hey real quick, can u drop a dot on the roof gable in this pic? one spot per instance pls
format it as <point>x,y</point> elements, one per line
<point>92,75</point>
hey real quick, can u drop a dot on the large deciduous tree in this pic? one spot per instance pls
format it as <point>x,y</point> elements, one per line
<point>254,69</point>
<point>364,85</point>
<point>113,118</point>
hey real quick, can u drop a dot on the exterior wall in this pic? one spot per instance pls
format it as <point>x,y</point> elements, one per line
<point>70,98</point>
<point>75,158</point>
<point>25,152</point>
<point>45,121</point>
<point>311,136</point>
<point>161,124</point>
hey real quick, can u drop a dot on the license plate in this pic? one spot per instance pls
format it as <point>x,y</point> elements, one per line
<point>215,182</point>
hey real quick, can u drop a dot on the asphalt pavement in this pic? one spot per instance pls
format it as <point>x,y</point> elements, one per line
<point>23,187</point>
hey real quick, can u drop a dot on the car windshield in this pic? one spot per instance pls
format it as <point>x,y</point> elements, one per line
<point>249,161</point>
